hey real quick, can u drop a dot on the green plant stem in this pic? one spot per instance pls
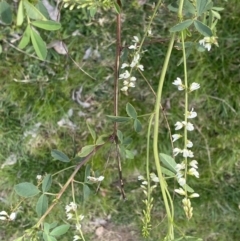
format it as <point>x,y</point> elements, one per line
<point>149,24</point>
<point>155,138</point>
<point>148,149</point>
<point>180,8</point>
<point>148,203</point>
<point>186,101</point>
<point>146,32</point>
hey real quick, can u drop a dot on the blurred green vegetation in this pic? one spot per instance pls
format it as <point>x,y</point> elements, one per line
<point>47,97</point>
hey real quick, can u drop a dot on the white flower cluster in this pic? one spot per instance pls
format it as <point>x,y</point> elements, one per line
<point>4,216</point>
<point>181,86</point>
<point>184,167</point>
<point>95,179</point>
<point>70,210</point>
<point>154,178</point>
<point>207,42</point>
<point>128,80</point>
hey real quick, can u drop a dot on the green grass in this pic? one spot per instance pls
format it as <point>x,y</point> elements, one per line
<point>216,141</point>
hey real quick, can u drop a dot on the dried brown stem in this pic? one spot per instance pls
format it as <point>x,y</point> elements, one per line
<point>116,74</point>
<point>84,161</point>
<point>116,91</point>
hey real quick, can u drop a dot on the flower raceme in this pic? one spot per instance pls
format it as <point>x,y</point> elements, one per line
<point>136,41</point>
<point>71,213</point>
<point>71,207</point>
<point>184,168</point>
<point>128,80</point>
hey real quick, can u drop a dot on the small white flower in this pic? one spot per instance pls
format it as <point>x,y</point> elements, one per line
<point>194,195</point>
<point>68,208</point>
<point>179,174</point>
<point>180,166</point>
<point>124,75</point>
<point>135,39</point>
<point>178,83</point>
<point>176,151</point>
<point>206,42</point>
<point>192,171</point>
<point>66,5</point>
<point>190,126</point>
<point>182,181</point>
<point>133,78</point>
<point>140,66</point>
<point>124,65</point>
<point>194,164</point>
<point>176,137</point>
<point>71,207</point>
<point>95,179</point>
<point>78,226</point>
<point>74,206</point>
<point>140,177</point>
<point>100,178</point>
<point>208,46</point>
<point>179,125</point>
<point>154,177</point>
<point>92,179</point>
<point>135,60</point>
<point>81,217</point>
<point>131,84</point>
<point>3,215</point>
<point>13,216</point>
<point>76,237</point>
<point>191,114</point>
<point>202,41</point>
<point>187,153</point>
<point>180,191</point>
<point>189,144</point>
<point>194,86</point>
<point>144,183</point>
<point>134,46</point>
<point>124,88</point>
<point>69,216</point>
<point>154,186</point>
<point>39,177</point>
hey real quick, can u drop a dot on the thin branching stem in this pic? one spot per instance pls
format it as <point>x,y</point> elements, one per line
<point>69,181</point>
<point>116,95</point>
<point>116,69</point>
<point>155,138</point>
